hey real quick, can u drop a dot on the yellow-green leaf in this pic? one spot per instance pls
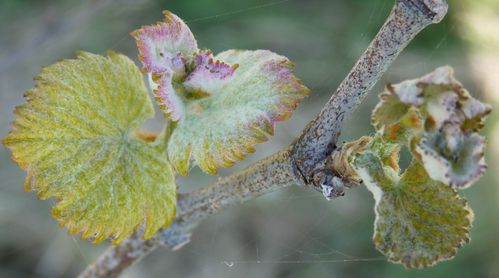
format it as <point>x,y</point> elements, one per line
<point>76,138</point>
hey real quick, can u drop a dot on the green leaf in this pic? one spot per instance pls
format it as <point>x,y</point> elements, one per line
<point>396,120</point>
<point>419,221</point>
<point>221,127</point>
<point>76,138</point>
<point>389,110</point>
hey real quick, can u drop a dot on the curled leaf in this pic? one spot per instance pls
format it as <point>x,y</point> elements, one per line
<point>76,136</point>
<point>452,157</point>
<point>389,110</point>
<point>438,120</point>
<point>419,221</point>
<point>165,46</point>
<point>209,75</point>
<point>166,49</point>
<point>438,96</point>
<point>451,149</point>
<point>475,113</point>
<point>442,108</point>
<point>168,99</point>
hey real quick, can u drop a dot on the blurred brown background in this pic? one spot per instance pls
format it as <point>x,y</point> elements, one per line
<point>289,233</point>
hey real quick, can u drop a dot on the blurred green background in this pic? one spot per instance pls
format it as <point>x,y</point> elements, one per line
<point>290,233</point>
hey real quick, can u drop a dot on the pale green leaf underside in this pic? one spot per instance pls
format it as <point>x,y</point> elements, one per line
<point>418,221</point>
<point>75,136</point>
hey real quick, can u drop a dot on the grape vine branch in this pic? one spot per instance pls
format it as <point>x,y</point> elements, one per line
<point>306,162</point>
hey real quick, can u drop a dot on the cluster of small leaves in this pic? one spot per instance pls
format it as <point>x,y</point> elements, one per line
<point>420,218</point>
<point>222,105</point>
<point>77,135</point>
<point>438,120</point>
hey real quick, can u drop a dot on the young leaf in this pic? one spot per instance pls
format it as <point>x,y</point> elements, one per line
<point>419,221</point>
<point>76,138</point>
<point>165,46</point>
<point>222,105</point>
<point>221,128</point>
<point>438,120</point>
<point>452,157</point>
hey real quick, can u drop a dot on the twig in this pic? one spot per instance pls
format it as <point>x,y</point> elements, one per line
<point>267,175</point>
<point>406,20</point>
<point>305,162</point>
